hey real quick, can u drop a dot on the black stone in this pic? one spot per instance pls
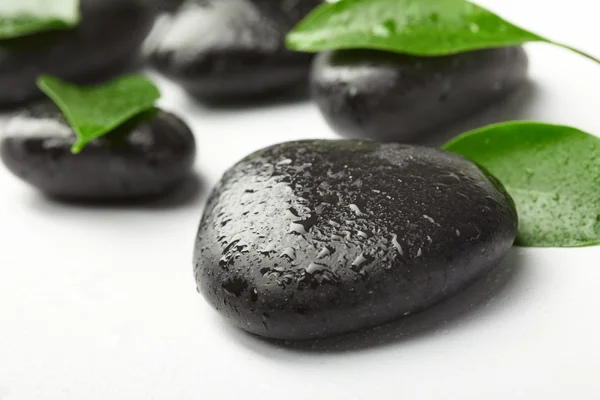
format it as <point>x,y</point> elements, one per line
<point>393,97</point>
<point>144,157</point>
<point>105,42</point>
<point>233,49</point>
<point>317,238</point>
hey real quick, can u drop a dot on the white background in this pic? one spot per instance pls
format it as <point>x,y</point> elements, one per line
<point>100,302</point>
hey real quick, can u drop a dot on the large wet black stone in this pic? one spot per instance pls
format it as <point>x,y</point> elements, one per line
<point>233,49</point>
<point>393,97</point>
<point>145,157</point>
<point>317,238</point>
<point>103,44</point>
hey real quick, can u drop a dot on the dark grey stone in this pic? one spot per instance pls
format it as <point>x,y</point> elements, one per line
<point>144,157</point>
<point>106,41</point>
<point>393,97</point>
<point>233,49</point>
<point>317,238</point>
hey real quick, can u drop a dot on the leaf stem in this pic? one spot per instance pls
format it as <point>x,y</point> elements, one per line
<point>581,53</point>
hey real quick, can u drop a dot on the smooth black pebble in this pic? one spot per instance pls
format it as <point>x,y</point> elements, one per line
<point>393,97</point>
<point>105,43</point>
<point>227,50</point>
<point>317,238</point>
<point>145,157</point>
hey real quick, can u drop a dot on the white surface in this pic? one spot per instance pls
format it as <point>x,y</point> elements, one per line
<point>100,303</point>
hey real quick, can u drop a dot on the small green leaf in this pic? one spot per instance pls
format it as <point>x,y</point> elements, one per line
<point>415,27</point>
<point>94,111</point>
<point>553,174</point>
<point>25,17</point>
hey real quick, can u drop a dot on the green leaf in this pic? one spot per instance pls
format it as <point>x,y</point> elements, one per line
<point>553,174</point>
<point>25,17</point>
<point>415,27</point>
<point>94,111</point>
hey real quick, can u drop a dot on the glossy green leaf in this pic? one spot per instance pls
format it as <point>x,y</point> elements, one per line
<point>94,111</point>
<point>25,17</point>
<point>553,174</point>
<point>416,27</point>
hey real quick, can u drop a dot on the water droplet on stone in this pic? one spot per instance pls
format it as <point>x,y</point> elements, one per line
<point>335,236</point>
<point>289,253</point>
<point>361,261</point>
<point>362,234</point>
<point>224,261</point>
<point>235,286</point>
<point>315,267</point>
<point>270,248</point>
<point>297,228</point>
<point>356,210</point>
<point>428,218</point>
<point>325,252</point>
<point>396,244</point>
